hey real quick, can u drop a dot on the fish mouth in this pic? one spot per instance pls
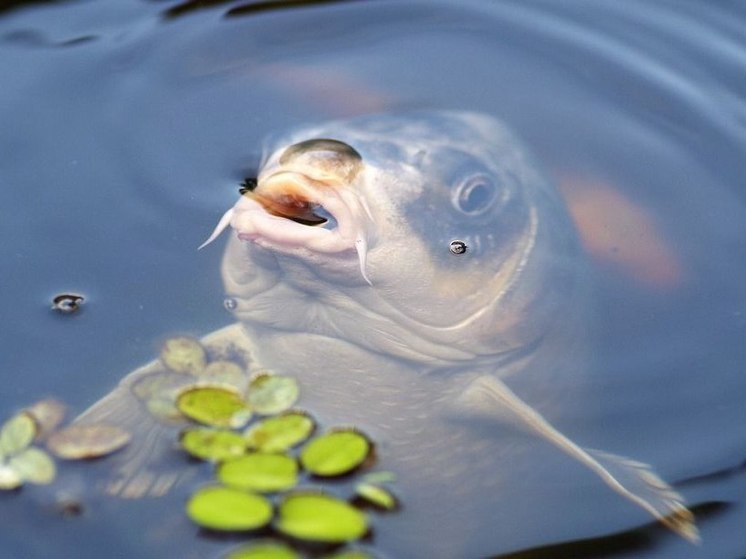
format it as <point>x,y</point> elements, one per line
<point>290,210</point>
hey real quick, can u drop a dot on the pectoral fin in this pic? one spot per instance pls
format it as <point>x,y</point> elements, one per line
<point>488,397</point>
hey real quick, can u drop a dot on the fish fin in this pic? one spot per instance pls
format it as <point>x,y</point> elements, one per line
<point>152,464</point>
<point>488,397</point>
<point>148,466</point>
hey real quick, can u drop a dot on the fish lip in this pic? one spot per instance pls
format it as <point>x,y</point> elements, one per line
<point>253,222</point>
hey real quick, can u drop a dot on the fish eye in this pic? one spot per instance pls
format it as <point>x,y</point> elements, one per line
<point>475,195</point>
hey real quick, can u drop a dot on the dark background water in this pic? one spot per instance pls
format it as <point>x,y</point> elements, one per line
<point>126,126</point>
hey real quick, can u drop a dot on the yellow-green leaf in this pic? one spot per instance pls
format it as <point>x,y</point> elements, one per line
<point>219,406</point>
<point>212,444</point>
<point>224,508</point>
<point>259,471</point>
<point>280,433</point>
<point>33,465</point>
<point>271,394</point>
<point>335,453</point>
<point>319,517</point>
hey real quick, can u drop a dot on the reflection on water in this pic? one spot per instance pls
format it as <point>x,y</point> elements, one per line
<point>119,152</point>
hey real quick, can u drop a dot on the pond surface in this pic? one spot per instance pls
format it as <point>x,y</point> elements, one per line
<point>128,125</point>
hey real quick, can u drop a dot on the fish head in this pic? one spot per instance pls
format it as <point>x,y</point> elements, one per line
<point>428,235</point>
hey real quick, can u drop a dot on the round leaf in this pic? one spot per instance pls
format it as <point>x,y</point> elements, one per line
<point>259,472</point>
<point>16,434</point>
<point>184,355</point>
<point>376,496</point>
<point>223,508</point>
<point>272,394</point>
<point>33,465</point>
<point>319,517</point>
<point>335,453</point>
<point>80,442</point>
<point>9,478</point>
<point>278,434</point>
<point>266,549</point>
<point>218,406</point>
<point>212,444</point>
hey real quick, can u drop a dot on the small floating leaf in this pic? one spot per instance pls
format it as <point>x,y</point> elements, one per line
<point>270,394</point>
<point>264,549</point>
<point>335,453</point>
<point>9,478</point>
<point>377,496</point>
<point>212,444</point>
<point>16,434</point>
<point>81,442</point>
<point>184,355</point>
<point>33,465</point>
<point>225,372</point>
<point>223,508</point>
<point>259,472</point>
<point>48,415</point>
<point>218,406</point>
<point>278,434</point>
<point>320,517</point>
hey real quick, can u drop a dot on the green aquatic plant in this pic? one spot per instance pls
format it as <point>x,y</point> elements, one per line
<point>270,394</point>
<point>335,453</point>
<point>19,461</point>
<point>319,517</point>
<point>227,509</point>
<point>280,433</point>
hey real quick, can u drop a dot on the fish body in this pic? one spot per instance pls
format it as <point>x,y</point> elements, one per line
<point>341,271</point>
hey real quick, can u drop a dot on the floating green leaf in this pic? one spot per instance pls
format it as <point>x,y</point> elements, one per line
<point>319,517</point>
<point>278,434</point>
<point>377,496</point>
<point>81,442</point>
<point>184,355</point>
<point>16,434</point>
<point>259,471</point>
<point>271,394</point>
<point>264,549</point>
<point>48,415</point>
<point>218,406</point>
<point>224,508</point>
<point>335,453</point>
<point>225,372</point>
<point>212,444</point>
<point>33,465</point>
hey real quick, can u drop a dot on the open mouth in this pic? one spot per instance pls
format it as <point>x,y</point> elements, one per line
<point>289,210</point>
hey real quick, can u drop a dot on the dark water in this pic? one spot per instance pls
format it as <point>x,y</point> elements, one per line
<point>127,125</point>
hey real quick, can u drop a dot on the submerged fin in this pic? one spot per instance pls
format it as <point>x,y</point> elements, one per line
<point>634,480</point>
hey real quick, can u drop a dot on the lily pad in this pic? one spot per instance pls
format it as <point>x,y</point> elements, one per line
<point>225,372</point>
<point>212,444</point>
<point>218,406</point>
<point>16,434</point>
<point>264,549</point>
<point>82,442</point>
<point>9,478</point>
<point>184,355</point>
<point>259,471</point>
<point>33,465</point>
<point>227,509</point>
<point>271,394</point>
<point>335,453</point>
<point>318,517</point>
<point>377,496</point>
<point>48,415</point>
<point>280,433</point>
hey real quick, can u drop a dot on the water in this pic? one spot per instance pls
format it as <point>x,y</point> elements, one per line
<point>126,132</point>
